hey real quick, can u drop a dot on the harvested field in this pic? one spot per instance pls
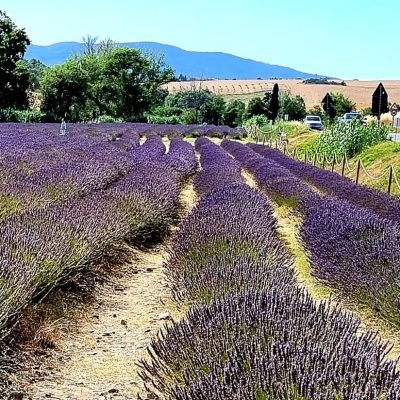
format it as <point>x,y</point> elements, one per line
<point>359,91</point>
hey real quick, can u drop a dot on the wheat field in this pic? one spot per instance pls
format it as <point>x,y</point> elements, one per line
<point>359,91</point>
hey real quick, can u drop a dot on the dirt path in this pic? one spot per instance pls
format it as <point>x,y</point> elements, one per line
<point>288,228</point>
<point>97,359</point>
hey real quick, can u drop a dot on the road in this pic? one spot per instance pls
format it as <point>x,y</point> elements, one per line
<point>394,136</point>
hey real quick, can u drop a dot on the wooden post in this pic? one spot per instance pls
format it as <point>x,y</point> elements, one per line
<point>315,159</point>
<point>358,170</point>
<point>343,163</point>
<point>333,162</point>
<point>389,189</point>
<point>305,156</point>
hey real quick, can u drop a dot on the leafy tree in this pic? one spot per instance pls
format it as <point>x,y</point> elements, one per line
<point>316,110</point>
<point>204,105</point>
<point>367,111</point>
<point>65,90</point>
<point>120,83</point>
<point>127,83</point>
<point>35,70</point>
<point>342,104</point>
<point>255,106</point>
<point>234,111</point>
<point>267,100</point>
<point>214,114</point>
<point>14,78</point>
<point>293,106</point>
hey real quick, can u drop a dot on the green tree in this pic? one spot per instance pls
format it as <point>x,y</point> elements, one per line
<point>65,91</point>
<point>35,70</point>
<point>214,113</point>
<point>316,110</point>
<point>204,106</point>
<point>234,111</point>
<point>255,106</point>
<point>293,106</point>
<point>14,78</point>
<point>116,82</point>
<point>342,104</point>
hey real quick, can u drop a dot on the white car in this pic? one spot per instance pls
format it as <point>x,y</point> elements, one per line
<point>314,122</point>
<point>351,116</point>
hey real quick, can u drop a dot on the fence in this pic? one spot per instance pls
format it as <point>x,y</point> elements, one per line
<point>322,160</point>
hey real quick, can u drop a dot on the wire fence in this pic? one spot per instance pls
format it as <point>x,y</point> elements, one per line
<point>336,162</point>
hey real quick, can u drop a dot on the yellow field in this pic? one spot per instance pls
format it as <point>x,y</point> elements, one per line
<point>359,91</point>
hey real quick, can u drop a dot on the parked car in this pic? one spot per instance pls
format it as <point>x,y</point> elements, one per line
<point>351,116</point>
<point>313,122</point>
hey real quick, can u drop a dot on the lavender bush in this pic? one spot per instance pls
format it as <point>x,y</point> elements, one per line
<point>334,184</point>
<point>275,344</point>
<point>42,245</point>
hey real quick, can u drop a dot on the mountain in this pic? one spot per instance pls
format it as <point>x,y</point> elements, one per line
<point>215,65</point>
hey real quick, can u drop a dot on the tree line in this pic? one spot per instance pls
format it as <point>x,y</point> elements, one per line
<point>110,83</point>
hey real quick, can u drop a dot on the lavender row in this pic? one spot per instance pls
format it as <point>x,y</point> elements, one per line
<point>254,335</point>
<point>40,247</point>
<point>275,344</point>
<point>207,244</point>
<point>27,151</point>
<point>333,184</point>
<point>357,253</point>
<point>277,181</point>
<point>181,157</point>
<point>218,168</point>
<point>351,249</point>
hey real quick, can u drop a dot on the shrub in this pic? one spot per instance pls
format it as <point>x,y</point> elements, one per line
<point>351,138</point>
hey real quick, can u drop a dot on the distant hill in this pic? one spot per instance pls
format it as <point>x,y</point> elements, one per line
<point>190,63</point>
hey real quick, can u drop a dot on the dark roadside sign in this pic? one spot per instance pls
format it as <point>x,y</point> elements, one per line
<point>394,109</point>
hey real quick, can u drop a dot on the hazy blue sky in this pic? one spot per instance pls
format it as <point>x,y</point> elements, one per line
<point>343,38</point>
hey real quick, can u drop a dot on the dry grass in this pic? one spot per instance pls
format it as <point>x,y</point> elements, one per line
<point>288,228</point>
<point>86,345</point>
<point>359,91</point>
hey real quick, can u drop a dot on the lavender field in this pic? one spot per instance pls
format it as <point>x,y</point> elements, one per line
<point>251,330</point>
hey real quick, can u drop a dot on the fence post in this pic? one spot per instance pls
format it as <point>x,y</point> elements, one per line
<point>284,150</point>
<point>305,156</point>
<point>358,170</point>
<point>390,179</point>
<point>276,143</point>
<point>343,163</point>
<point>333,162</point>
<point>315,159</point>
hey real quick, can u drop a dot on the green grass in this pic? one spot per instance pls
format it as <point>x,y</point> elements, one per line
<point>304,142</point>
<point>387,152</point>
<point>377,159</point>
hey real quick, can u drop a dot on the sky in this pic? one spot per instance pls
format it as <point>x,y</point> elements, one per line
<point>348,39</point>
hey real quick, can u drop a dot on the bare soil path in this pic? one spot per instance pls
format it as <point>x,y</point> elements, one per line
<point>98,360</point>
<point>96,357</point>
